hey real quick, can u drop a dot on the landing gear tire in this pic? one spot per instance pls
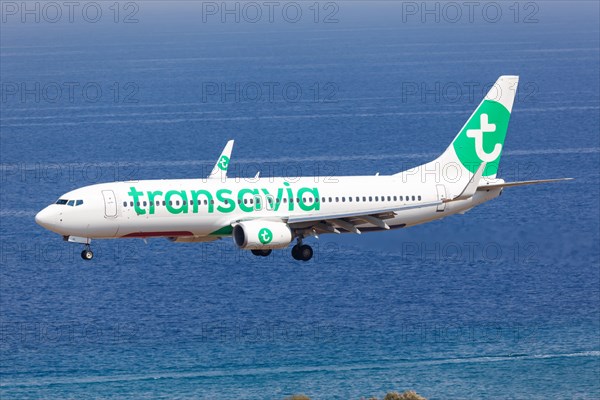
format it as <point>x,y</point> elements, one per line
<point>87,254</point>
<point>262,253</point>
<point>302,252</point>
<point>296,252</point>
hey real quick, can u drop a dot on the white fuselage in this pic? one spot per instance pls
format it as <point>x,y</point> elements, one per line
<point>207,208</point>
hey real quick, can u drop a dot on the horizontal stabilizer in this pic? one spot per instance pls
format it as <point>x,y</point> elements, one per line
<point>520,183</point>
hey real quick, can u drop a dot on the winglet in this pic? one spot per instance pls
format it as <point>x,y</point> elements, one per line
<point>219,171</point>
<point>471,187</point>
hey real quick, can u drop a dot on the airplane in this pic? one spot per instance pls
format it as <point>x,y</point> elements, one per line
<point>269,213</point>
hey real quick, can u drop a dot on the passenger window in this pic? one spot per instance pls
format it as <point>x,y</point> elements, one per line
<point>337,199</point>
<point>330,200</point>
<point>158,202</point>
<point>413,198</point>
<point>389,198</point>
<point>364,198</point>
<point>419,198</point>
<point>131,204</point>
<point>357,198</point>
<point>285,199</point>
<point>164,203</point>
<point>124,204</point>
<point>270,202</point>
<point>350,199</point>
<point>376,198</point>
<point>343,199</point>
<point>370,198</point>
<point>401,198</point>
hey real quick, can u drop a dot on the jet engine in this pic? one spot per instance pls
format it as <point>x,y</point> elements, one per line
<point>261,234</point>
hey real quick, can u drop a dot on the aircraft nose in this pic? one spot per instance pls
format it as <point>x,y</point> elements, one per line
<point>45,218</point>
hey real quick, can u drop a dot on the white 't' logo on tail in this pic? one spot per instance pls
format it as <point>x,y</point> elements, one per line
<point>477,134</point>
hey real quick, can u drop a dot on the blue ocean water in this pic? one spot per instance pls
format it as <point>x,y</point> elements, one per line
<point>503,302</point>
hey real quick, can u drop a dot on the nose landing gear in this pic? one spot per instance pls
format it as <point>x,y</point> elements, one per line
<point>87,253</point>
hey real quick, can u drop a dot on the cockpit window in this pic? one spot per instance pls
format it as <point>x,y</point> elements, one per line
<point>69,202</point>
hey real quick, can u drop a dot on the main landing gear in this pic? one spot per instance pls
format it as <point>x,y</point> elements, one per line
<point>302,252</point>
<point>87,253</point>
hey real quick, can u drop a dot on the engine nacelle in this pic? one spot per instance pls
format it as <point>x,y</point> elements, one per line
<point>260,234</point>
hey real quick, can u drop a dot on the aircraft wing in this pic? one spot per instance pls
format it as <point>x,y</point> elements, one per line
<point>349,220</point>
<point>219,171</point>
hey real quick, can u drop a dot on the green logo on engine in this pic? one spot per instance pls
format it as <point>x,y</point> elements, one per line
<point>265,236</point>
<point>482,138</point>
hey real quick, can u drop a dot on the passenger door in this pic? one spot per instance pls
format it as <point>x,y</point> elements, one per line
<point>110,204</point>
